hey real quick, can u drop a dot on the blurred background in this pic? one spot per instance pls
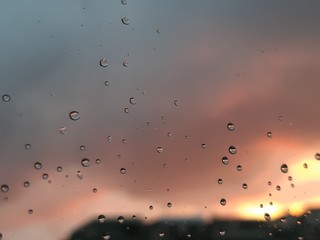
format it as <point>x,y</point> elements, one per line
<point>171,114</point>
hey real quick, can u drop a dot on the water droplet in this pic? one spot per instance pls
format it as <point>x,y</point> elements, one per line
<point>244,186</point>
<point>220,181</point>
<point>63,130</point>
<point>189,235</point>
<point>30,211</point>
<point>126,110</point>
<point>94,190</point>
<point>158,31</point>
<point>27,146</point>
<point>161,234</point>
<point>6,98</point>
<point>132,100</point>
<point>284,168</point>
<point>121,219</point>
<point>292,185</point>
<point>169,134</point>
<point>74,115</point>
<point>123,171</point>
<point>134,217</point>
<point>176,102</point>
<point>106,236</point>
<point>82,147</point>
<point>125,20</point>
<point>289,178</point>
<point>101,218</point>
<point>124,141</point>
<point>38,165</point>
<point>231,126</point>
<point>300,238</point>
<point>223,201</point>
<point>26,184</point>
<point>103,62</point>
<point>159,149</point>
<point>267,216</point>
<point>85,162</point>
<point>280,118</point>
<point>222,232</point>
<point>278,188</point>
<point>169,204</point>
<point>125,63</point>
<point>107,83</point>
<point>98,161</point>
<point>124,2</point>
<point>79,175</point>
<point>239,168</point>
<point>203,145</point>
<point>305,165</point>
<point>45,176</point>
<point>151,207</point>
<point>317,156</point>
<point>269,183</point>
<point>269,134</point>
<point>4,188</point>
<point>225,160</point>
<point>232,150</point>
<point>283,219</point>
<point>59,169</point>
<point>261,205</point>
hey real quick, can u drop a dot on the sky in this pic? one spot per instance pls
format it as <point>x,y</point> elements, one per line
<point>192,68</point>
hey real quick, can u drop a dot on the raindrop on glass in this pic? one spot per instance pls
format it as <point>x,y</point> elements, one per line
<point>6,98</point>
<point>30,211</point>
<point>106,236</point>
<point>125,20</point>
<point>283,219</point>
<point>278,188</point>
<point>45,176</point>
<point>123,171</point>
<point>94,190</point>
<point>74,115</point>
<point>169,204</point>
<point>98,161</point>
<point>132,100</point>
<point>26,184</point>
<point>292,185</point>
<point>239,168</point>
<point>317,156</point>
<point>124,2</point>
<point>305,165</point>
<point>222,232</point>
<point>125,63</point>
<point>134,217</point>
<point>269,183</point>
<point>289,178</point>
<point>4,188</point>
<point>269,134</point>
<point>126,110</point>
<point>59,169</point>
<point>79,175</point>
<point>232,150</point>
<point>101,218</point>
<point>284,168</point>
<point>280,118</point>
<point>151,207</point>
<point>161,234</point>
<point>189,235</point>
<point>176,102</point>
<point>82,147</point>
<point>63,130</point>
<point>27,146</point>
<point>267,216</point>
<point>38,165</point>
<point>107,83</point>
<point>109,138</point>
<point>220,181</point>
<point>244,186</point>
<point>230,126</point>
<point>85,162</point>
<point>169,134</point>
<point>121,219</point>
<point>223,201</point>
<point>159,149</point>
<point>103,62</point>
<point>203,145</point>
<point>225,160</point>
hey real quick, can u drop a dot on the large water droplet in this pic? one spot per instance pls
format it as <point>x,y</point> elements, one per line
<point>230,126</point>
<point>232,150</point>
<point>74,115</point>
<point>121,219</point>
<point>125,20</point>
<point>159,149</point>
<point>38,165</point>
<point>63,130</point>
<point>223,201</point>
<point>85,162</point>
<point>225,160</point>
<point>317,156</point>
<point>267,216</point>
<point>101,218</point>
<point>132,101</point>
<point>4,188</point>
<point>284,168</point>
<point>6,98</point>
<point>103,62</point>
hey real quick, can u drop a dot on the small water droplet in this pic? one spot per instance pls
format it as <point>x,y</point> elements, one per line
<point>79,175</point>
<point>225,160</point>
<point>123,171</point>
<point>220,181</point>
<point>317,156</point>
<point>125,63</point>
<point>189,235</point>
<point>26,184</point>
<point>124,141</point>
<point>98,161</point>
<point>125,20</point>
<point>63,130</point>
<point>269,134</point>
<point>280,118</point>
<point>160,149</point>
<point>38,165</point>
<point>239,168</point>
<point>106,236</point>
<point>169,204</point>
<point>85,162</point>
<point>232,150</point>
<point>124,2</point>
<point>74,115</point>
<point>27,146</point>
<point>103,62</point>
<point>289,178</point>
<point>203,145</point>
<point>126,110</point>
<point>134,217</point>
<point>45,176</point>
<point>132,100</point>
<point>4,188</point>
<point>101,218</point>
<point>223,201</point>
<point>6,98</point>
<point>267,216</point>
<point>284,168</point>
<point>231,126</point>
<point>176,102</point>
<point>150,207</point>
<point>269,183</point>
<point>107,83</point>
<point>305,165</point>
<point>82,147</point>
<point>283,219</point>
<point>30,211</point>
<point>94,190</point>
<point>261,205</point>
<point>59,169</point>
<point>244,186</point>
<point>278,188</point>
<point>121,219</point>
<point>292,185</point>
<point>222,232</point>
<point>161,234</point>
<point>169,134</point>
